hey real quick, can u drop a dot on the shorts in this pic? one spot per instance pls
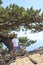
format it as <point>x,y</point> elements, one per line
<point>16,48</point>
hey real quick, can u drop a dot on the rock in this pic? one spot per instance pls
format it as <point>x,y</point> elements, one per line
<point>4,51</point>
<point>32,60</point>
<point>20,53</point>
<point>7,57</point>
<point>2,62</point>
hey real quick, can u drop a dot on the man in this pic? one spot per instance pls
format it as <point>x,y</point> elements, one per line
<point>15,45</point>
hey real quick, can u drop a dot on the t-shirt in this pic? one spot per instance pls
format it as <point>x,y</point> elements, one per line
<point>15,42</point>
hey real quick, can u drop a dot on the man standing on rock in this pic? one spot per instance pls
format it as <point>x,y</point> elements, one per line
<point>16,45</point>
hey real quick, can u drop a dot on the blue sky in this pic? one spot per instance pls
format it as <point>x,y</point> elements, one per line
<point>37,4</point>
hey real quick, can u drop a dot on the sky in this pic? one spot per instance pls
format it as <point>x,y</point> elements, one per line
<point>37,4</point>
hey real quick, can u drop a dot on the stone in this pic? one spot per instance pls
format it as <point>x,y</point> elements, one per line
<point>7,58</point>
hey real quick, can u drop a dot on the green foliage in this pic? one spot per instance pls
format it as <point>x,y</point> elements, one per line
<point>26,42</point>
<point>13,16</point>
<point>23,39</point>
<point>0,2</point>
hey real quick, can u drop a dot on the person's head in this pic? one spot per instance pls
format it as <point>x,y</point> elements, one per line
<point>15,35</point>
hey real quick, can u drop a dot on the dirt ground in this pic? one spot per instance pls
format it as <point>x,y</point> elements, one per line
<point>32,59</point>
